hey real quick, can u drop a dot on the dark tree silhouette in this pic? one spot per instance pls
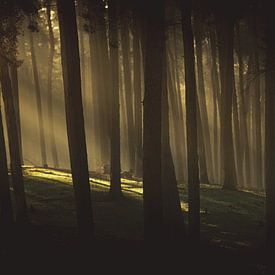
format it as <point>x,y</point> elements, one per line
<point>6,215</point>
<point>16,169</point>
<point>152,187</point>
<point>270,137</point>
<point>74,116</point>
<point>191,121</point>
<point>115,187</point>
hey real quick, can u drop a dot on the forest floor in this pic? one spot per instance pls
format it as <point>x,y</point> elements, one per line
<point>232,227</point>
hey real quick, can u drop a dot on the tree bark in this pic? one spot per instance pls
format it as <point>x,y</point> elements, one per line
<point>243,112</point>
<point>216,101</point>
<point>49,89</point>
<point>16,169</point>
<point>270,138</point>
<point>125,46</point>
<point>152,187</point>
<point>115,185</point>
<point>38,103</point>
<point>225,33</point>
<point>191,122</point>
<point>257,108</point>
<point>15,90</point>
<point>74,117</point>
<point>204,123</point>
<point>137,96</point>
<point>172,215</point>
<point>6,214</point>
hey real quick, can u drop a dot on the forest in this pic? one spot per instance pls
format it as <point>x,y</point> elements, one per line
<point>140,133</point>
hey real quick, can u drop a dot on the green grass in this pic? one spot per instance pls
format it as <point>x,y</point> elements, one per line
<point>231,219</point>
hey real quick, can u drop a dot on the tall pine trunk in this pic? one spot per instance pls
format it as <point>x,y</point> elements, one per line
<point>225,34</point>
<point>270,138</point>
<point>137,96</point>
<point>49,89</point>
<point>14,147</point>
<point>152,187</point>
<point>216,101</point>
<point>38,102</point>
<point>15,90</point>
<point>243,112</point>
<point>125,46</point>
<point>191,122</point>
<point>174,229</point>
<point>6,215</point>
<point>115,185</point>
<point>202,99</point>
<point>74,117</point>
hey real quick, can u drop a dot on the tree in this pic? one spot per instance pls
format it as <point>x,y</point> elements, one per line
<point>191,121</point>
<point>15,90</point>
<point>74,116</point>
<point>101,76</point>
<point>137,91</point>
<point>243,107</point>
<point>16,169</point>
<point>128,91</point>
<point>216,99</point>
<point>173,220</point>
<point>49,86</point>
<point>115,185</point>
<point>37,88</point>
<point>6,215</point>
<point>225,35</point>
<point>270,136</point>
<point>203,124</point>
<point>152,105</point>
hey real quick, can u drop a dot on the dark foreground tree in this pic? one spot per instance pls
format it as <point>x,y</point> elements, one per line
<point>6,216</point>
<point>74,116</point>
<point>191,121</point>
<point>270,138</point>
<point>154,53</point>
<point>14,146</point>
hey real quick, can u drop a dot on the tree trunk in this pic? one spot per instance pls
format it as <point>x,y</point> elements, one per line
<point>175,115</point>
<point>181,119</point>
<point>225,33</point>
<point>216,101</point>
<point>115,185</point>
<point>243,111</point>
<point>95,103</point>
<point>74,117</point>
<point>49,89</point>
<point>172,214</point>
<point>6,215</point>
<point>125,46</point>
<point>137,97</point>
<point>257,109</point>
<point>191,122</point>
<point>38,103</point>
<point>270,139</point>
<point>206,143</point>
<point>201,149</point>
<point>152,187</point>
<point>16,169</point>
<point>100,69</point>
<point>15,90</point>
